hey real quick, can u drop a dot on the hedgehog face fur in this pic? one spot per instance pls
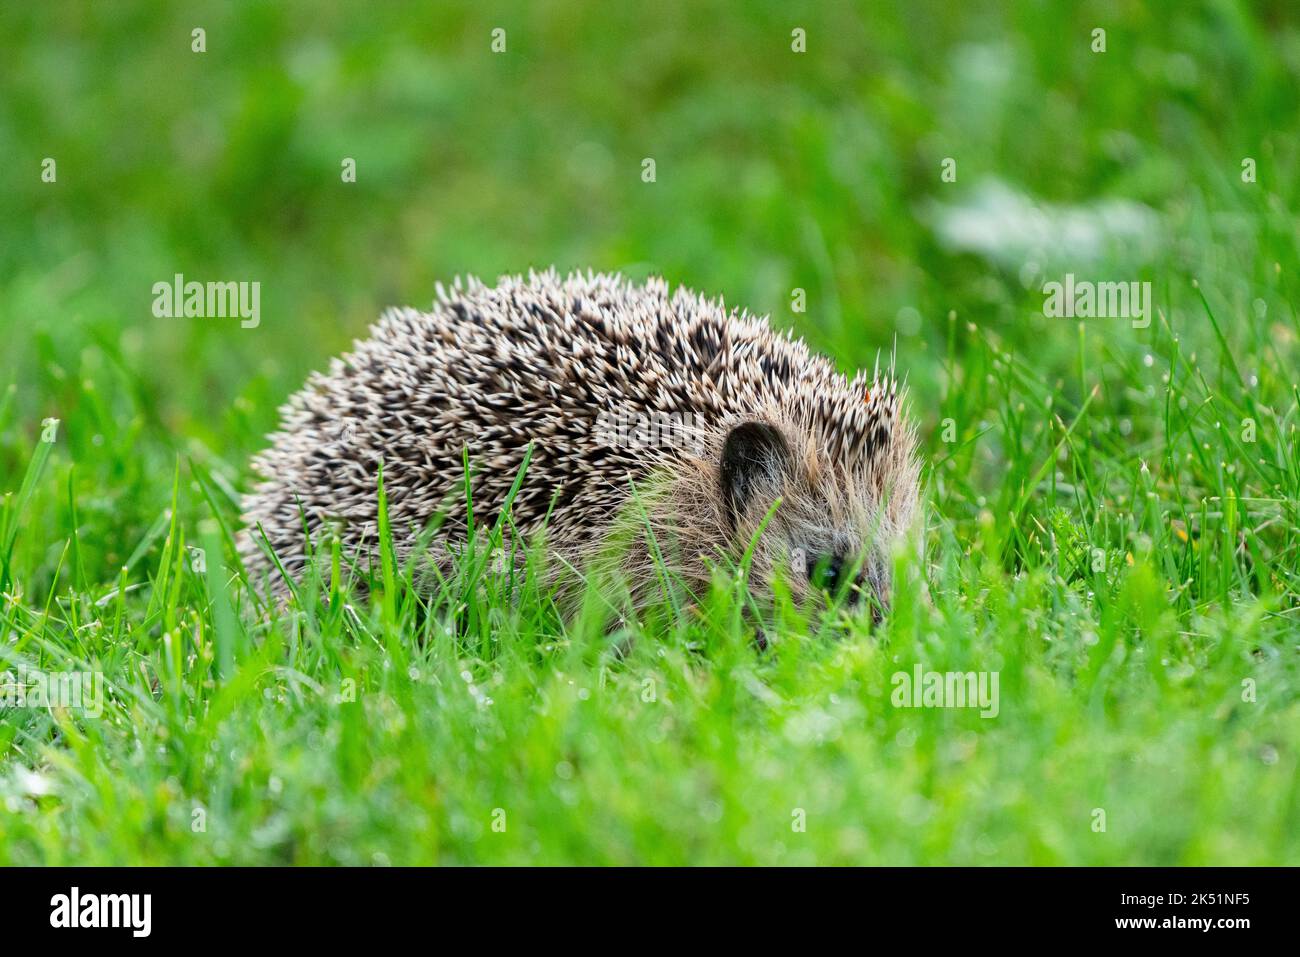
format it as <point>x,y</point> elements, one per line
<point>836,525</point>
<point>741,418</point>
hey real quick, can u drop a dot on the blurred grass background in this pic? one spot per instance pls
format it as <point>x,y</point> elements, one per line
<point>775,170</point>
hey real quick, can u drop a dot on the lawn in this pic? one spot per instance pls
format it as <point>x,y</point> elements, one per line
<point>1111,502</point>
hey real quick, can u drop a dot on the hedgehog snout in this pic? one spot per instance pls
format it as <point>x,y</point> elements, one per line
<point>826,571</point>
<point>840,572</point>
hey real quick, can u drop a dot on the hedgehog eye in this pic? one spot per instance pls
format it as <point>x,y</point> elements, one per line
<point>754,453</point>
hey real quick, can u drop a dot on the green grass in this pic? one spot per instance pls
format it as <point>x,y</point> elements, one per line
<point>1112,511</point>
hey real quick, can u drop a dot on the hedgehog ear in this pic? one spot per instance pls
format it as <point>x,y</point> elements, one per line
<point>754,454</point>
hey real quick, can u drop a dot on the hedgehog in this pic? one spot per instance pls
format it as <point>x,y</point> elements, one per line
<point>627,427</point>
